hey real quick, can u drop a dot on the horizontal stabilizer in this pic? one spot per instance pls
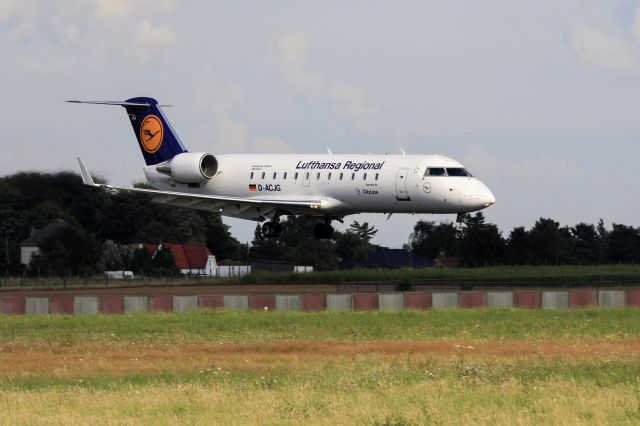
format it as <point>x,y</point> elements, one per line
<point>120,103</point>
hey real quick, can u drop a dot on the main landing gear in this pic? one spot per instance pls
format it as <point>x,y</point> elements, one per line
<point>461,227</point>
<point>323,230</point>
<point>271,229</point>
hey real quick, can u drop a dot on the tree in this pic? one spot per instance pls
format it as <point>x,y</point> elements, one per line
<point>483,246</point>
<point>587,244</point>
<point>220,241</point>
<point>364,231</point>
<point>351,249</point>
<point>622,244</point>
<point>517,247</point>
<point>430,240</point>
<point>548,244</point>
<point>263,248</point>
<point>68,252</point>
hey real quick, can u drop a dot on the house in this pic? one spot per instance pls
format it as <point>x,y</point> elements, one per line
<point>447,262</point>
<point>31,245</point>
<point>384,257</point>
<point>190,259</point>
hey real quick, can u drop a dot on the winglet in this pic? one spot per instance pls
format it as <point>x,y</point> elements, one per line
<point>86,176</point>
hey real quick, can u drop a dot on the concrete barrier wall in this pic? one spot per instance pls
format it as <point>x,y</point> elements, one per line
<point>85,305</point>
<point>136,304</point>
<point>365,301</point>
<point>262,302</point>
<point>161,303</point>
<point>313,302</point>
<point>111,304</point>
<point>555,300</point>
<point>612,299</point>
<point>417,300</point>
<point>583,298</point>
<point>471,299</point>
<point>391,301</point>
<point>338,302</point>
<point>444,300</point>
<point>185,303</point>
<point>61,304</point>
<point>36,306</point>
<point>236,302</point>
<point>499,299</point>
<point>211,302</point>
<point>633,298</point>
<point>12,305</point>
<point>528,299</point>
<point>287,302</point>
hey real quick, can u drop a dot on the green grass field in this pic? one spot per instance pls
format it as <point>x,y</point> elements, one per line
<point>490,276</point>
<point>387,368</point>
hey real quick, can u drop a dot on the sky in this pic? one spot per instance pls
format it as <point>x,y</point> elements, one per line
<point>537,99</point>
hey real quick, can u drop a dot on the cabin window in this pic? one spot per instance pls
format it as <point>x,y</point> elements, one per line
<point>364,177</point>
<point>251,177</point>
<point>295,176</point>
<point>456,171</point>
<point>329,176</point>
<point>341,174</point>
<point>306,176</point>
<point>318,176</point>
<point>284,176</point>
<point>377,176</point>
<point>435,171</point>
<point>263,175</point>
<point>353,176</point>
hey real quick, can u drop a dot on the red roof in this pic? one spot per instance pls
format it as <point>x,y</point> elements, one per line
<point>186,256</point>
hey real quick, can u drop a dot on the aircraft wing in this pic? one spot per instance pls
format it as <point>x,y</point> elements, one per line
<point>252,208</point>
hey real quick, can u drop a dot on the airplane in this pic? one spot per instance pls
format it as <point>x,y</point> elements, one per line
<point>265,187</point>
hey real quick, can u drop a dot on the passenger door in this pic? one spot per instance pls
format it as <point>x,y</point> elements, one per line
<point>401,185</point>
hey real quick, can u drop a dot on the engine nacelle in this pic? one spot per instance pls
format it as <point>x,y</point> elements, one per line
<point>193,167</point>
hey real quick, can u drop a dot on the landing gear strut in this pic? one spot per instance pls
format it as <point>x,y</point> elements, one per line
<point>323,230</point>
<point>271,229</point>
<point>461,227</point>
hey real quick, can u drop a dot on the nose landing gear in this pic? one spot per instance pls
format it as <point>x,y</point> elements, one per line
<point>461,227</point>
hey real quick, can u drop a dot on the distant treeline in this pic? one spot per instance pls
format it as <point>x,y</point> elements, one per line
<point>105,224</point>
<point>546,243</point>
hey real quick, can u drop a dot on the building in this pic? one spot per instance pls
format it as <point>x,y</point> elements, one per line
<point>190,259</point>
<point>31,246</point>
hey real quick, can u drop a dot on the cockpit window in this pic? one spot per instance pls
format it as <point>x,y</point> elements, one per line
<point>435,171</point>
<point>455,171</point>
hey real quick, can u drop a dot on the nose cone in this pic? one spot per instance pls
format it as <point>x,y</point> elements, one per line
<point>484,195</point>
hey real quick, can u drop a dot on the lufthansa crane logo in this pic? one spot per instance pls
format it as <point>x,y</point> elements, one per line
<point>151,133</point>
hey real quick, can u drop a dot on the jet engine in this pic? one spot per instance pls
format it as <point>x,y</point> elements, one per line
<point>193,167</point>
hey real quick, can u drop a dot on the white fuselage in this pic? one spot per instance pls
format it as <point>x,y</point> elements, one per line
<point>346,184</point>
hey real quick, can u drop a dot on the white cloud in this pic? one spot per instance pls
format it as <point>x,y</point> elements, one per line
<point>113,10</point>
<point>223,102</point>
<point>87,33</point>
<point>600,50</point>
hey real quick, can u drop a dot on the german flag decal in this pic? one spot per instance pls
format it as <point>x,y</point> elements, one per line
<point>252,187</point>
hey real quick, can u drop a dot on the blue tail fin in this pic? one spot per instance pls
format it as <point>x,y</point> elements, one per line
<point>156,138</point>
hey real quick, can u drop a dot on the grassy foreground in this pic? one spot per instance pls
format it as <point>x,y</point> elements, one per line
<point>437,367</point>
